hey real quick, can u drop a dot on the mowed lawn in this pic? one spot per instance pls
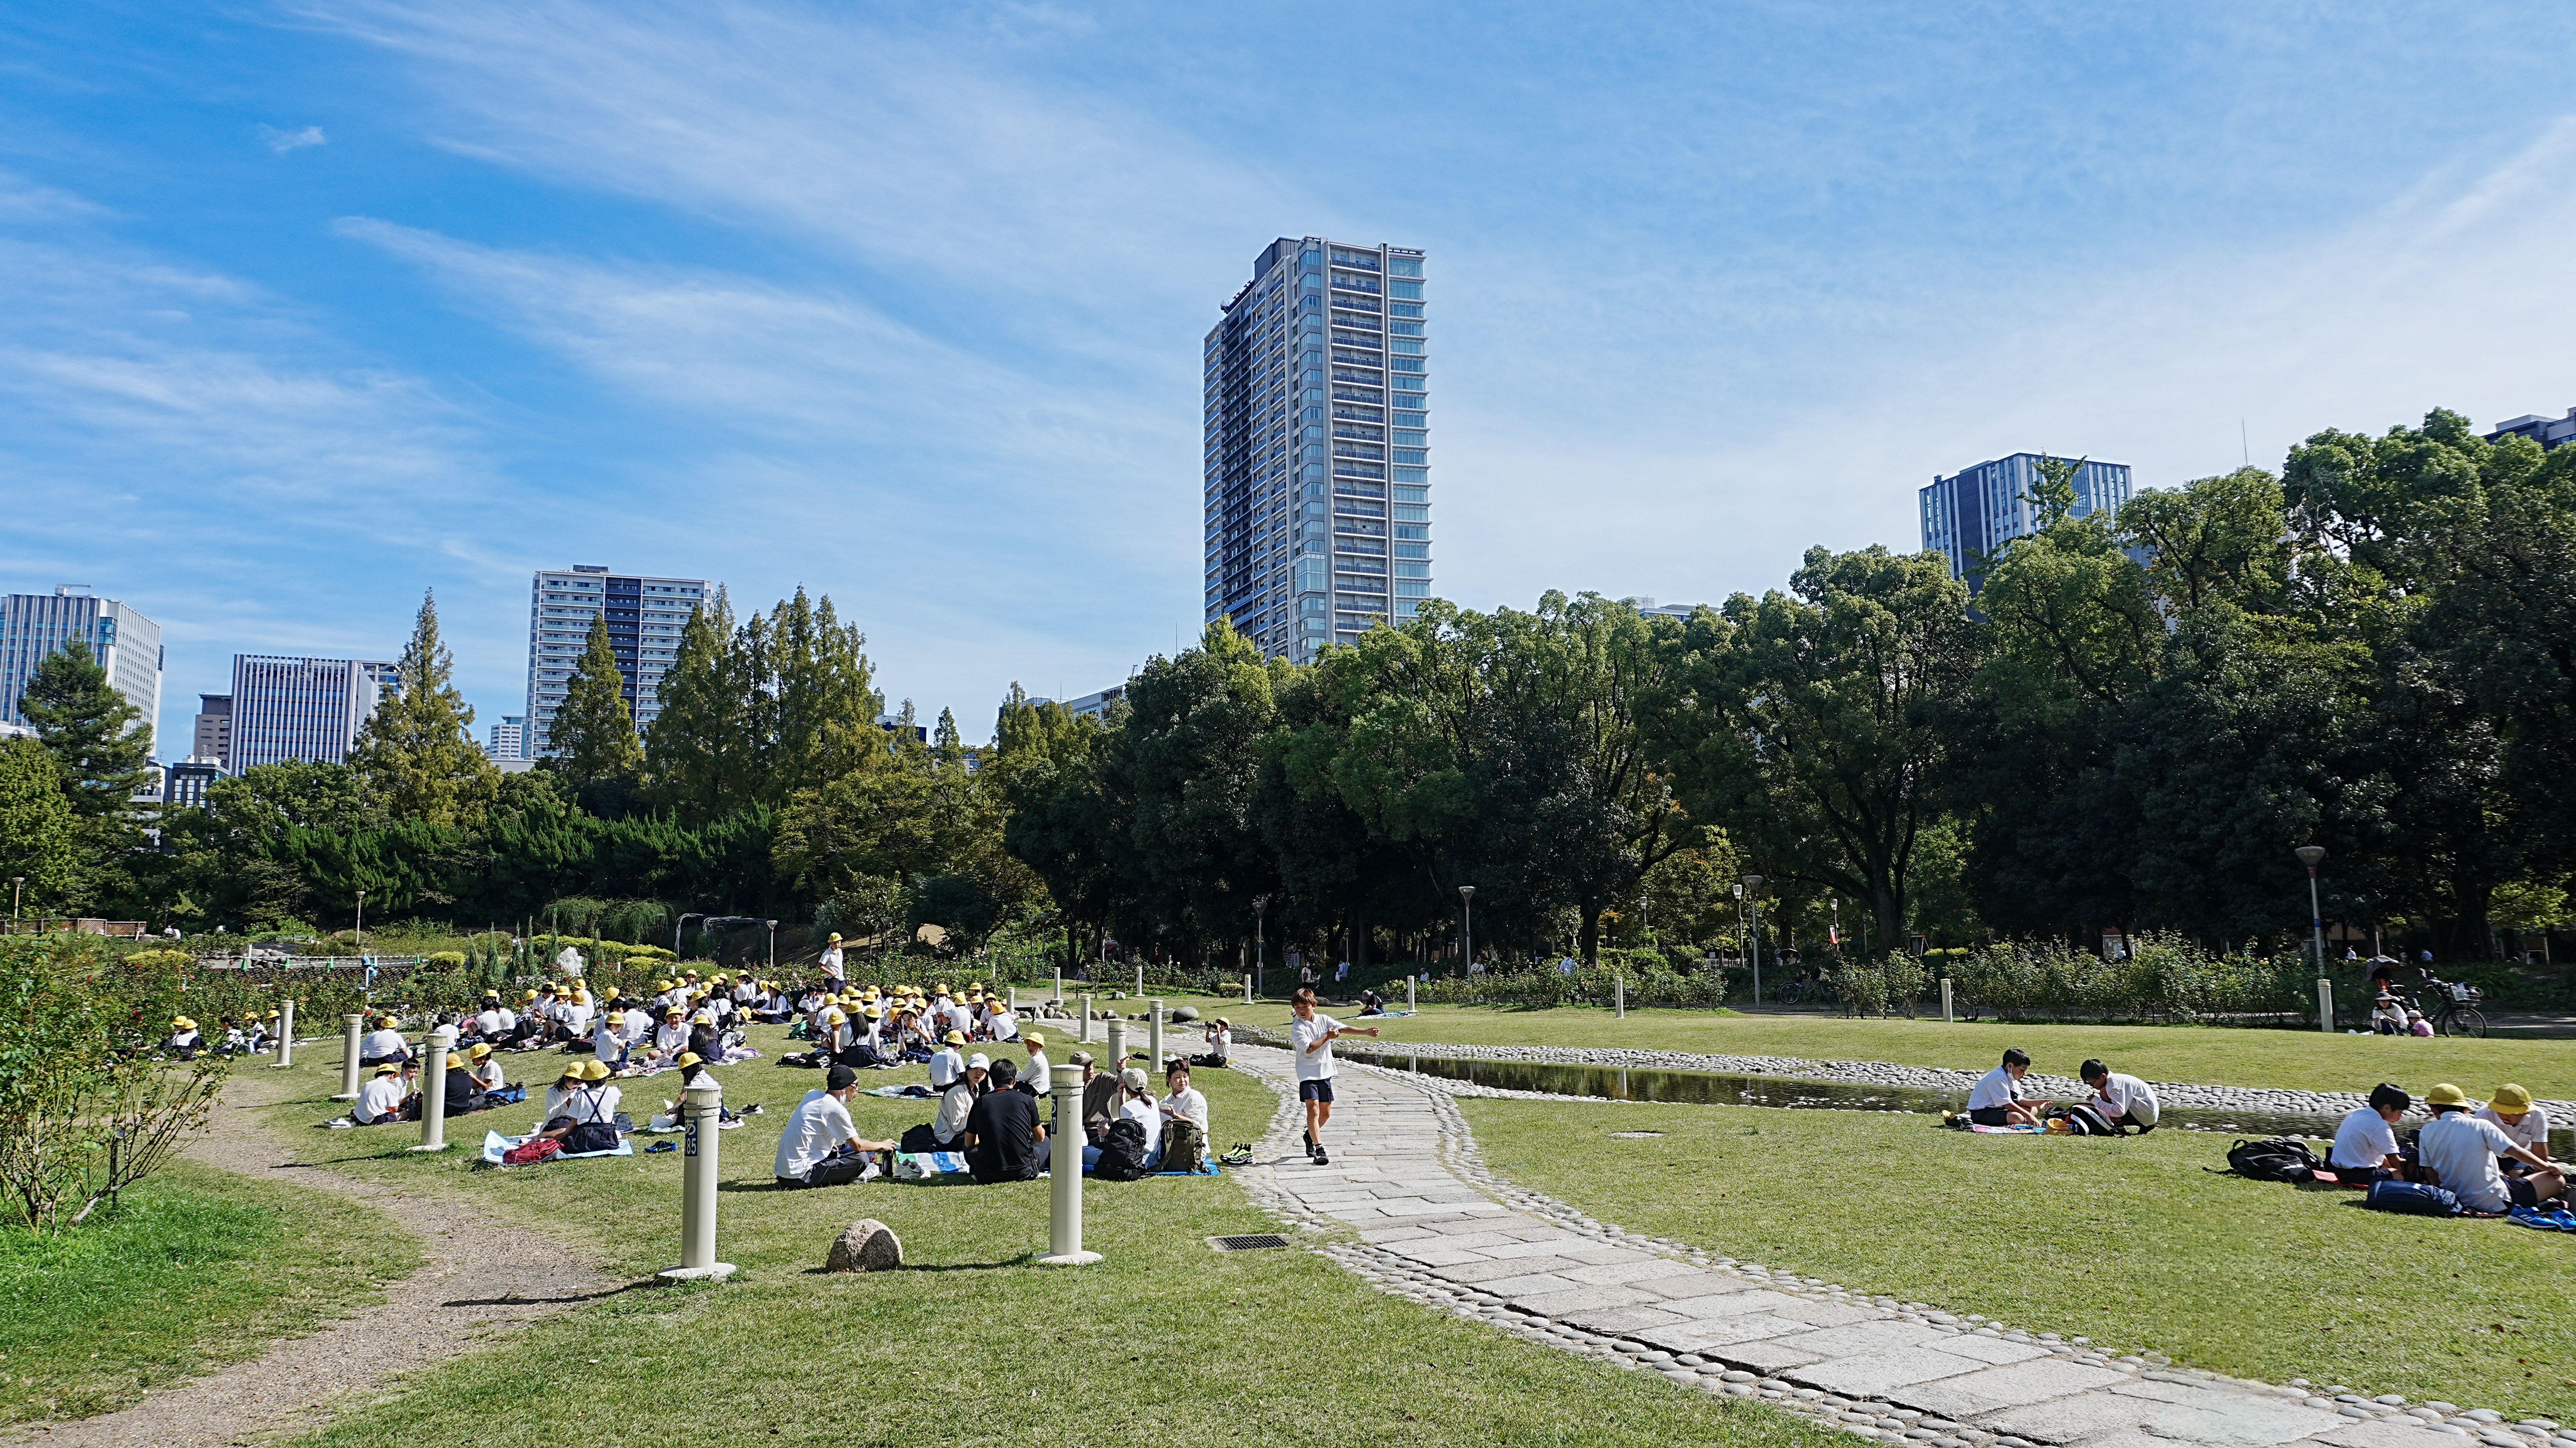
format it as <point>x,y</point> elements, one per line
<point>2210,1055</point>
<point>2125,1240</point>
<point>1165,1342</point>
<point>195,1269</point>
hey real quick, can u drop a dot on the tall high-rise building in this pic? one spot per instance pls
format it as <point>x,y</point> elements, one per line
<point>509,738</point>
<point>214,728</point>
<point>302,709</point>
<point>127,644</point>
<point>645,616</point>
<point>1977,510</point>
<point>1317,470</point>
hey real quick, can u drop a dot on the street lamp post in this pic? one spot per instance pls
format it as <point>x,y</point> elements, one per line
<point>16,882</point>
<point>2312,856</point>
<point>773,945</point>
<point>361,930</point>
<point>1467,919</point>
<point>1753,899</point>
<point>1260,937</point>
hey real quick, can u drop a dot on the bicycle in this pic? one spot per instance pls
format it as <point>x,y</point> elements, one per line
<point>2456,1012</point>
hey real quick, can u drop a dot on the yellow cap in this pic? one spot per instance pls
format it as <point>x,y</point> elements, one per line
<point>2446,1094</point>
<point>875,1014</point>
<point>480,1051</point>
<point>689,1058</point>
<point>532,995</point>
<point>955,1038</point>
<point>389,1069</point>
<point>594,1069</point>
<point>455,1062</point>
<point>833,1017</point>
<point>572,1070</point>
<point>836,936</point>
<point>1032,1039</point>
<point>2509,1099</point>
<point>664,985</point>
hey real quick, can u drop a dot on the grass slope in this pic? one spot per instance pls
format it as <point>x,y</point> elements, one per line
<point>2127,1241</point>
<point>198,1268</point>
<point>1166,1342</point>
<point>2214,1055</point>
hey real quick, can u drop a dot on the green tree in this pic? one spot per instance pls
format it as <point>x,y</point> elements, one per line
<point>593,732</point>
<point>37,827</point>
<point>416,756</point>
<point>826,698</point>
<point>101,744</point>
<point>704,750</point>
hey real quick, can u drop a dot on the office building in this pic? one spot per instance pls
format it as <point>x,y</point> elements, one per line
<point>1977,510</point>
<point>184,785</point>
<point>645,616</point>
<point>214,728</point>
<point>2549,432</point>
<point>1317,469</point>
<point>127,644</point>
<point>302,709</point>
<point>1644,604</point>
<point>509,738</point>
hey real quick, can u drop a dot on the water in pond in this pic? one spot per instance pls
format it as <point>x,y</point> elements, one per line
<point>1717,1088</point>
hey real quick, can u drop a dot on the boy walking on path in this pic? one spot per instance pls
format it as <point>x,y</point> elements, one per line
<point>1310,1039</point>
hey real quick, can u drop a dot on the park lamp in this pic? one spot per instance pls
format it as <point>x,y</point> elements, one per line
<point>2311,855</point>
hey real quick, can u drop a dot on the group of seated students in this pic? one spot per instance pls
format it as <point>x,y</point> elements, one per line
<point>2120,1100</point>
<point>988,1110</point>
<point>252,1033</point>
<point>2493,1157</point>
<point>865,1028</point>
<point>471,1080</point>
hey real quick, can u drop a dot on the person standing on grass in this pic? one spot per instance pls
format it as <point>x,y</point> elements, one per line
<point>1310,1040</point>
<point>831,963</point>
<point>1996,1098</point>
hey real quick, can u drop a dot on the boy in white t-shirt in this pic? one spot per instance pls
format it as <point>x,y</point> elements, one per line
<point>2513,1111</point>
<point>1310,1040</point>
<point>1996,1098</point>
<point>2365,1142</point>
<point>2460,1152</point>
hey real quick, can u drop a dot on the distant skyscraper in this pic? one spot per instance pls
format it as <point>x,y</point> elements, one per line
<point>214,728</point>
<point>185,784</point>
<point>1317,468</point>
<point>127,644</point>
<point>1977,510</point>
<point>645,616</point>
<point>302,709</point>
<point>509,738</point>
<point>2549,432</point>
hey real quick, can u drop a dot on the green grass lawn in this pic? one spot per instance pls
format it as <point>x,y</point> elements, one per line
<point>2126,1240</point>
<point>197,1268</point>
<point>1166,1342</point>
<point>2214,1055</point>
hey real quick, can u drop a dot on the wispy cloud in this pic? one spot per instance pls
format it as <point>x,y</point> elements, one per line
<point>284,141</point>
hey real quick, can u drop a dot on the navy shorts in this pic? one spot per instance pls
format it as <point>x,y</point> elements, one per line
<point>1990,1116</point>
<point>1315,1091</point>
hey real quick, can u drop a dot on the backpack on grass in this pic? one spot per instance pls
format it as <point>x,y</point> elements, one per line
<point>2081,1120</point>
<point>2279,1159</point>
<point>1122,1152</point>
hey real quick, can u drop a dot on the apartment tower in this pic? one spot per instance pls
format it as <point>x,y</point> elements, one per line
<point>645,616</point>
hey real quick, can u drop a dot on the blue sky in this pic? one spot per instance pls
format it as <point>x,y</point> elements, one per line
<point>307,307</point>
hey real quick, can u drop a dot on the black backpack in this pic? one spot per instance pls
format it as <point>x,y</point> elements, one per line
<point>2280,1159</point>
<point>2084,1120</point>
<point>1122,1152</point>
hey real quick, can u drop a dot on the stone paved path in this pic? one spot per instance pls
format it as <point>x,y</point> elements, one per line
<point>1432,1225</point>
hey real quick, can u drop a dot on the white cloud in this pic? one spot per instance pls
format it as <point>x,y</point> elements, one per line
<point>284,141</point>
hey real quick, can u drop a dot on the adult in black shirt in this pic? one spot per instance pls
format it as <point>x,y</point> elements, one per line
<point>1004,1142</point>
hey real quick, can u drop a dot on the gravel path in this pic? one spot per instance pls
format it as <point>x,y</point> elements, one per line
<point>481,1276</point>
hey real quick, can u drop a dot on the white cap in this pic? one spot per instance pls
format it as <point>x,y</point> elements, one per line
<point>978,1062</point>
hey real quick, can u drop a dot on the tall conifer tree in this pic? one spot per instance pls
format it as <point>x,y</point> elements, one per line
<point>416,754</point>
<point>593,732</point>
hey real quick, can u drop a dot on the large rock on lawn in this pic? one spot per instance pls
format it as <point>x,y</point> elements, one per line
<point>868,1246</point>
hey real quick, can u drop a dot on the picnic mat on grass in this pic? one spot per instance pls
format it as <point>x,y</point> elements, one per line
<point>494,1143</point>
<point>916,1093</point>
<point>2007,1131</point>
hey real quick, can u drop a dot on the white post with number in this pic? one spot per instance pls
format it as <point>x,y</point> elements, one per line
<point>286,1032</point>
<point>350,1026</point>
<point>433,1089</point>
<point>1064,1169</point>
<point>702,1106</point>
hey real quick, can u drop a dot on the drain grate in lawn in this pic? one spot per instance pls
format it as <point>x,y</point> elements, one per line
<point>1250,1242</point>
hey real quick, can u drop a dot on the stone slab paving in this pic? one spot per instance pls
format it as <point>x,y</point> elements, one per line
<point>1407,1204</point>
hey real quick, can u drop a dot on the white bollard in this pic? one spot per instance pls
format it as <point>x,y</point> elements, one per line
<point>1140,977</point>
<point>1154,1038</point>
<point>1064,1169</point>
<point>286,1032</point>
<point>701,1107</point>
<point>433,1089</point>
<point>1086,1020</point>
<point>1619,993</point>
<point>2325,1004</point>
<point>1059,987</point>
<point>1408,995</point>
<point>349,1029</point>
<point>1117,1047</point>
<point>1946,1017</point>
<point>1247,990</point>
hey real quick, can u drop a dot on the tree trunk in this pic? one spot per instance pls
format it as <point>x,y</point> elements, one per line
<point>1590,937</point>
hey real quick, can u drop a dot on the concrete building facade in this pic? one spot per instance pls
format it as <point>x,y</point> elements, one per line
<point>645,615</point>
<point>302,709</point>
<point>128,645</point>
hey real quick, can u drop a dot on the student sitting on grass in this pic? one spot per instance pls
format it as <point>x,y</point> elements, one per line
<point>184,1041</point>
<point>1996,1098</point>
<point>1185,1121</point>
<point>1003,1139</point>
<point>1033,1078</point>
<point>1140,1108</point>
<point>487,1070</point>
<point>2459,1152</point>
<point>2365,1143</point>
<point>958,1102</point>
<point>949,1063</point>
<point>821,1147</point>
<point>457,1084</point>
<point>382,1044</point>
<point>1220,1039</point>
<point>2124,1100</point>
<point>2511,1108</point>
<point>2388,1016</point>
<point>608,1043</point>
<point>381,1099</point>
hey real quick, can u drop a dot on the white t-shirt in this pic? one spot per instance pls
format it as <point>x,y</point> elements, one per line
<point>2131,1097</point>
<point>490,1074</point>
<point>2460,1151</point>
<point>1005,1026</point>
<point>2363,1139</point>
<point>605,1043</point>
<point>385,1042</point>
<point>953,1110</point>
<point>491,1022</point>
<point>2531,1135</point>
<point>379,1100</point>
<point>1145,1114</point>
<point>1995,1088</point>
<point>946,1067</point>
<point>1039,1073</point>
<point>1220,1041</point>
<point>1188,1105</point>
<point>1317,1064</point>
<point>590,1103</point>
<point>821,1123</point>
